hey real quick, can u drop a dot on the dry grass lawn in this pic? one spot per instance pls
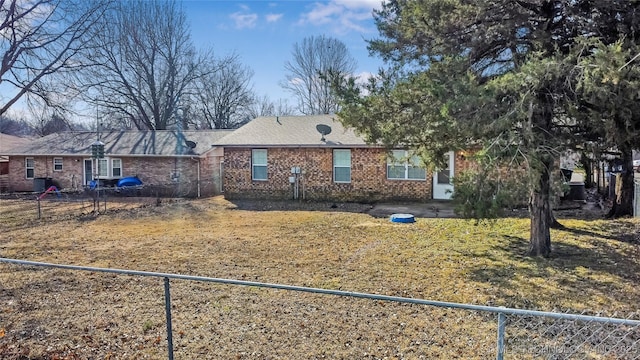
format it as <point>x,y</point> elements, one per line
<point>62,314</point>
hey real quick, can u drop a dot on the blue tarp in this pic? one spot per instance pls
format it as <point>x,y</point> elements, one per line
<point>129,181</point>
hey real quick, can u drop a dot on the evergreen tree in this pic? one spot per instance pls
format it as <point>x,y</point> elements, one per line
<point>608,84</point>
<point>502,76</point>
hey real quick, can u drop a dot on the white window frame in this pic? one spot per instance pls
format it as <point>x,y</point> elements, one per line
<point>113,167</point>
<point>256,164</point>
<point>27,168</point>
<point>102,168</point>
<point>341,166</point>
<point>57,164</point>
<point>106,168</point>
<point>402,158</point>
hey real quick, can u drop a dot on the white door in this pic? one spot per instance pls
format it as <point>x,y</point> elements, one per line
<point>88,171</point>
<point>442,185</point>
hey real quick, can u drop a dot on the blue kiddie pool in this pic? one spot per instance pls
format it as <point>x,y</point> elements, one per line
<point>402,218</point>
<point>129,181</point>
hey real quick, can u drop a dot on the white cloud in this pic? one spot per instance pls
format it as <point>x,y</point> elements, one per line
<point>360,4</point>
<point>322,13</point>
<point>296,81</point>
<point>344,15</point>
<point>244,20</point>
<point>363,77</point>
<point>273,17</point>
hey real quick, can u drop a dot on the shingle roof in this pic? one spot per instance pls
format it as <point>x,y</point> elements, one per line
<point>123,143</point>
<point>285,131</point>
<point>8,142</point>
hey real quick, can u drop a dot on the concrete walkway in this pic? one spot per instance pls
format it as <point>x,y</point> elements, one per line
<point>432,209</point>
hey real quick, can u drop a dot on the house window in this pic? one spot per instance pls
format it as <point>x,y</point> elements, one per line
<point>116,168</point>
<point>29,166</point>
<point>342,166</point>
<point>443,176</point>
<point>103,168</point>
<point>57,164</point>
<point>259,164</point>
<point>403,167</point>
<point>109,168</point>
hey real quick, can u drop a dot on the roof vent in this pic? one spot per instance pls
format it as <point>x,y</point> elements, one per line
<point>190,144</point>
<point>324,130</point>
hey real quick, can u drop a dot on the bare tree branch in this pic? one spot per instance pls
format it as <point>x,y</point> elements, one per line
<point>40,39</point>
<point>144,64</point>
<point>224,95</point>
<point>312,59</point>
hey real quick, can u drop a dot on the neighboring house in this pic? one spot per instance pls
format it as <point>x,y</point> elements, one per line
<point>289,158</point>
<point>7,142</point>
<point>183,163</point>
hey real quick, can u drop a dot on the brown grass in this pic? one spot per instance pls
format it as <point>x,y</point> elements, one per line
<point>58,314</point>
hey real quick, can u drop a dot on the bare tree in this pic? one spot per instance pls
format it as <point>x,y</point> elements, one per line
<point>313,60</point>
<point>39,39</point>
<point>222,96</point>
<point>17,127</point>
<point>144,63</point>
<point>52,125</point>
<point>263,106</point>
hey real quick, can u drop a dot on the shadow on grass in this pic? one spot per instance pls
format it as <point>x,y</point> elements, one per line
<point>293,205</point>
<point>620,230</point>
<point>572,273</point>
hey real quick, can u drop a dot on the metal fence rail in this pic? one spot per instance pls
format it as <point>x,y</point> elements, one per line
<point>520,333</point>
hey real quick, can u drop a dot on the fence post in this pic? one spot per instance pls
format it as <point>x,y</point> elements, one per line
<point>39,211</point>
<point>167,303</point>
<point>502,321</point>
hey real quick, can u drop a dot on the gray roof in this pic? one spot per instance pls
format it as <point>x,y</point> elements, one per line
<point>283,131</point>
<point>123,143</point>
<point>8,142</point>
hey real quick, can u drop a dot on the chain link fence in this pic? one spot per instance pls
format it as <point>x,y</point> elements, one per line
<point>563,336</point>
<point>74,312</point>
<point>77,203</point>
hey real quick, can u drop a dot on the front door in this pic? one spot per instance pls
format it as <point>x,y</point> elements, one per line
<point>442,185</point>
<point>88,171</point>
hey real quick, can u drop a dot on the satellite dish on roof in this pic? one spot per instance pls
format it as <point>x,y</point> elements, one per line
<point>190,144</point>
<point>324,130</point>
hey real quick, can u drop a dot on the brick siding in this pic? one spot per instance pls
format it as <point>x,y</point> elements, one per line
<point>154,172</point>
<point>369,181</point>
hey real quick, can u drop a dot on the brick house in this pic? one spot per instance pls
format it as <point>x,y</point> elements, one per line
<point>290,158</point>
<point>168,162</point>
<point>7,142</point>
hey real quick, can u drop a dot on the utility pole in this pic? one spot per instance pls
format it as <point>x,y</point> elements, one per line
<point>97,153</point>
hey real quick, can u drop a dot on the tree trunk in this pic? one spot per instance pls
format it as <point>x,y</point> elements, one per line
<point>623,202</point>
<point>540,120</point>
<point>540,213</point>
<point>587,164</point>
<point>553,222</point>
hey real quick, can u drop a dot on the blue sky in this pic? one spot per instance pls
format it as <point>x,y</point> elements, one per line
<point>263,33</point>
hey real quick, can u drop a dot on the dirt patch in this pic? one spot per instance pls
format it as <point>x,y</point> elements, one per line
<point>264,205</point>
